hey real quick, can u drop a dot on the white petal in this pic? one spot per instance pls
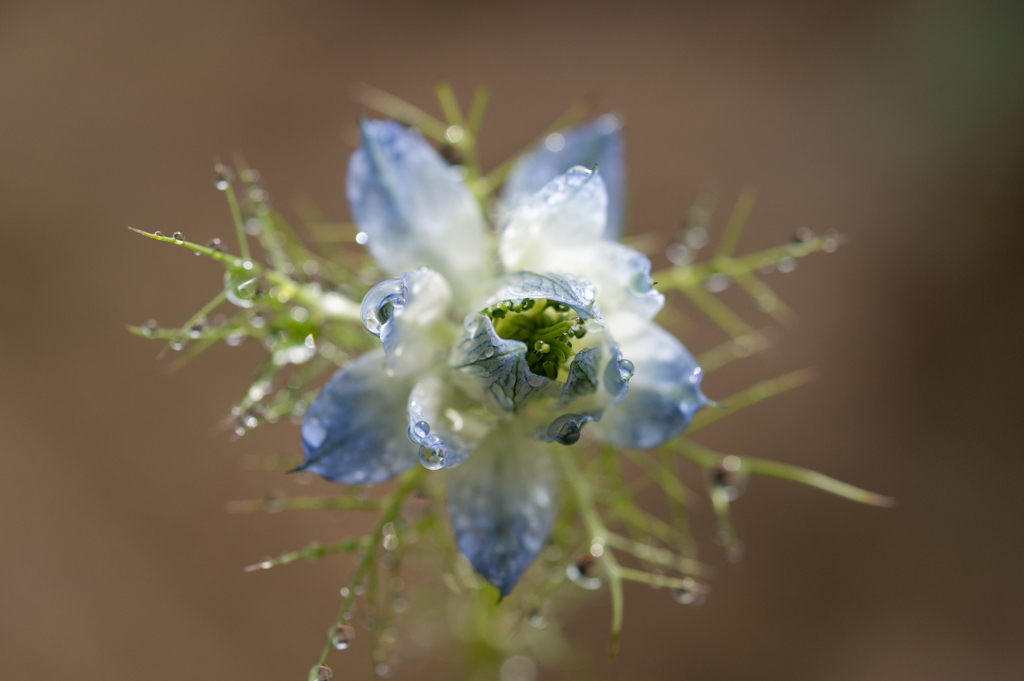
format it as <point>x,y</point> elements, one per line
<point>568,212</point>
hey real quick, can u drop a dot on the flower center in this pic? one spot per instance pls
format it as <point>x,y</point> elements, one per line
<point>546,327</point>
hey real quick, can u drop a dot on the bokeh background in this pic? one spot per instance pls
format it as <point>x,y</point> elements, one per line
<point>899,124</point>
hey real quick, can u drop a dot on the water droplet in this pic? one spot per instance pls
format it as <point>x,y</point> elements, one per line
<point>221,176</point>
<point>399,605</point>
<point>240,286</point>
<point>717,283</point>
<point>588,293</point>
<point>324,673</point>
<point>608,123</point>
<point>804,234</point>
<point>158,233</point>
<point>234,339</point>
<point>690,593</point>
<point>555,142</point>
<point>310,267</point>
<point>454,133</point>
<point>178,237</point>
<point>382,670</point>
<point>300,314</point>
<point>215,245</point>
<point>362,238</point>
<point>266,563</point>
<point>696,237</point>
<point>679,255</point>
<point>379,303</point>
<point>417,431</point>
<point>787,265</point>
<point>586,572</point>
<point>542,347</point>
<point>432,451</point>
<point>626,369</point>
<point>538,617</point>
<point>343,636</point>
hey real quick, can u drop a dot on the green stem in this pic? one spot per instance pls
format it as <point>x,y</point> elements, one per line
<point>774,469</point>
<point>751,396</point>
<point>598,534</point>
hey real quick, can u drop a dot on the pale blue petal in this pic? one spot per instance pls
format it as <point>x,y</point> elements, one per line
<point>495,368</point>
<point>598,142</point>
<point>559,288</point>
<point>664,392</point>
<point>622,284</point>
<point>414,208</point>
<point>400,312</point>
<point>584,375</point>
<point>544,230</point>
<point>502,506</point>
<point>354,432</point>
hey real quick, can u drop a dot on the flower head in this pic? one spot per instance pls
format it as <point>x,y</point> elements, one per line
<point>497,345</point>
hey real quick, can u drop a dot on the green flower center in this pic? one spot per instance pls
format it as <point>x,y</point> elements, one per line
<point>546,327</point>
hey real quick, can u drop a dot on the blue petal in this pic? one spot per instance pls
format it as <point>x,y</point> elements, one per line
<point>413,207</point>
<point>560,288</point>
<point>502,506</point>
<point>496,367</point>
<point>354,432</point>
<point>598,142</point>
<point>399,311</point>
<point>664,392</point>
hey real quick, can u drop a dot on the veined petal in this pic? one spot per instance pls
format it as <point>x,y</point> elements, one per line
<point>557,287</point>
<point>566,213</point>
<point>502,506</point>
<point>413,207</point>
<point>401,312</point>
<point>664,392</point>
<point>494,368</point>
<point>598,142</point>
<point>354,432</point>
<point>445,428</point>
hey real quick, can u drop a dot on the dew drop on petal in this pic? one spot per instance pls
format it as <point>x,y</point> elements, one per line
<point>432,455</point>
<point>379,303</point>
<point>418,431</point>
<point>626,369</point>
<point>343,636</point>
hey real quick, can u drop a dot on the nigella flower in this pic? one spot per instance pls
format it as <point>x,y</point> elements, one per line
<point>496,347</point>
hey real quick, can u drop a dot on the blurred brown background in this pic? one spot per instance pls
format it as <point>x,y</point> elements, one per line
<point>898,124</point>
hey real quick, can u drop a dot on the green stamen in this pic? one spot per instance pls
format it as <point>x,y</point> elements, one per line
<point>547,328</point>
